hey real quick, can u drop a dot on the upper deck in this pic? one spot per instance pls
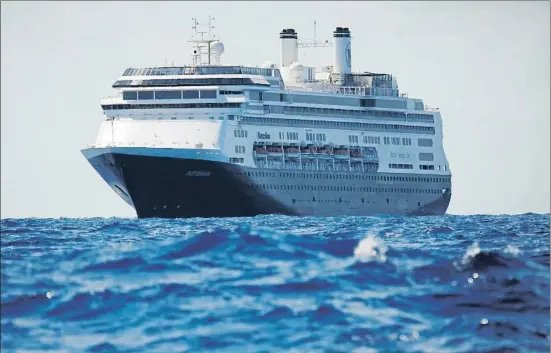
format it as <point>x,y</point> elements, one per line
<point>202,70</point>
<point>356,84</point>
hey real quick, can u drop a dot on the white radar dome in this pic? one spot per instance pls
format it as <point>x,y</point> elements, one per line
<point>296,67</point>
<point>296,72</point>
<point>217,48</point>
<point>269,65</point>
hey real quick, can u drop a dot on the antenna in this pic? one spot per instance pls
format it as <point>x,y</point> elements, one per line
<point>315,37</point>
<point>194,27</point>
<point>314,43</point>
<point>211,26</point>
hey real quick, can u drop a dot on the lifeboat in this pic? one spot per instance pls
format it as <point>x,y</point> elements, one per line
<point>355,153</point>
<point>260,150</point>
<point>275,150</point>
<point>292,150</point>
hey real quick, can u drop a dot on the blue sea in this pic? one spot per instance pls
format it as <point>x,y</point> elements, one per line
<point>277,284</point>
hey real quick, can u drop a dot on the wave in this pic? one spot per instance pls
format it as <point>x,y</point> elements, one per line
<point>274,283</point>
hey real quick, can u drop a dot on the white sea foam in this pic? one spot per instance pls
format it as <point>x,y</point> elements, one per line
<point>471,252</point>
<point>371,248</point>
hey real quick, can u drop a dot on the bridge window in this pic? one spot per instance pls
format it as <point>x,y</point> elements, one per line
<point>129,95</point>
<point>145,94</point>
<point>207,94</point>
<point>168,94</point>
<point>190,94</point>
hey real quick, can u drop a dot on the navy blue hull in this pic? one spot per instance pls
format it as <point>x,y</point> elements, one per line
<point>182,188</point>
<point>170,187</point>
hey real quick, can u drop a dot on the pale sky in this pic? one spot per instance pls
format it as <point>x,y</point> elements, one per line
<point>484,64</point>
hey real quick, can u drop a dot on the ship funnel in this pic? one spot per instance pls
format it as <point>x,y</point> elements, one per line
<point>289,46</point>
<point>343,54</point>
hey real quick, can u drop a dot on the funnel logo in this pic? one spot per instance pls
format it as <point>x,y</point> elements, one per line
<point>348,55</point>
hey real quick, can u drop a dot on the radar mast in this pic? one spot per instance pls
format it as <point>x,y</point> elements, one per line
<point>202,45</point>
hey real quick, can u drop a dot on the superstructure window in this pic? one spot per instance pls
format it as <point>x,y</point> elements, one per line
<point>368,114</point>
<point>170,106</point>
<point>400,166</point>
<point>426,167</point>
<point>240,133</point>
<point>424,118</point>
<point>387,103</point>
<point>230,92</point>
<point>292,136</point>
<point>129,95</point>
<point>145,95</point>
<point>202,70</point>
<point>426,157</point>
<point>406,141</point>
<point>424,142</point>
<point>386,140</point>
<point>310,136</point>
<point>255,96</point>
<point>327,124</point>
<point>395,140</point>
<point>190,94</point>
<point>353,139</point>
<point>239,149</point>
<point>187,82</point>
<point>372,139</point>
<point>207,94</point>
<point>320,137</point>
<point>168,94</point>
<point>367,103</point>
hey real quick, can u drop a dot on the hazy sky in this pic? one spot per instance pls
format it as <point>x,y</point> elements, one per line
<point>484,64</point>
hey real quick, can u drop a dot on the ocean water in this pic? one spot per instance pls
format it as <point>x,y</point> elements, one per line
<point>276,284</point>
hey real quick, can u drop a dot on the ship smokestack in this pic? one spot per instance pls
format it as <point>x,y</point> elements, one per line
<point>289,47</point>
<point>343,53</point>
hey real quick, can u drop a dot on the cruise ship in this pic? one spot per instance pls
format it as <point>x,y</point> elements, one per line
<point>214,140</point>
